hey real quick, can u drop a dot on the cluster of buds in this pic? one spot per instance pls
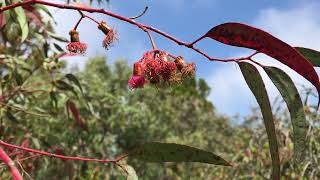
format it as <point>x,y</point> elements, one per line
<point>76,47</point>
<point>157,67</point>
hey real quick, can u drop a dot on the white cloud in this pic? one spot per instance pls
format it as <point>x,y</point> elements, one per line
<point>298,27</point>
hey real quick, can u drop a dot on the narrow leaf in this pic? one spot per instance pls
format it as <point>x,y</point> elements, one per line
<point>22,20</point>
<point>292,98</point>
<point>75,80</point>
<point>312,55</point>
<point>44,8</point>
<point>255,83</point>
<point>242,35</point>
<point>56,37</point>
<point>170,152</point>
<point>75,113</point>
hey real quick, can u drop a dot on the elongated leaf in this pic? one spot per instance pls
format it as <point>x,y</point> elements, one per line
<point>312,55</point>
<point>292,98</point>
<point>44,8</point>
<point>3,21</point>
<point>75,113</point>
<point>242,35</point>
<point>75,80</point>
<point>255,83</point>
<point>170,152</point>
<point>56,37</point>
<point>22,20</point>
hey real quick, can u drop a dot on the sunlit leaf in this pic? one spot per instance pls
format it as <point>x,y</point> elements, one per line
<point>22,20</point>
<point>132,175</point>
<point>255,83</point>
<point>241,35</point>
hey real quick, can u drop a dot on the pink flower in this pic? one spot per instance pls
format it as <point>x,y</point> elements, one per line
<point>136,82</point>
<point>166,70</point>
<point>77,48</point>
<point>111,34</point>
<point>109,39</point>
<point>188,70</point>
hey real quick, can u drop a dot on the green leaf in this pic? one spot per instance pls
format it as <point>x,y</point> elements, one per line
<point>132,175</point>
<point>11,117</point>
<point>60,84</point>
<point>255,83</point>
<point>22,20</point>
<point>18,77</point>
<point>292,98</point>
<point>312,55</point>
<point>56,37</point>
<point>59,48</point>
<point>75,80</point>
<point>43,8</point>
<point>170,152</point>
<point>54,98</point>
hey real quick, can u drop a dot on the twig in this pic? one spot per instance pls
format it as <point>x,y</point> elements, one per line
<point>140,15</point>
<point>122,18</point>
<point>13,169</point>
<point>73,158</point>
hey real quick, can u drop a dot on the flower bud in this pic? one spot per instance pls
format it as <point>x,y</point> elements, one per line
<point>74,36</point>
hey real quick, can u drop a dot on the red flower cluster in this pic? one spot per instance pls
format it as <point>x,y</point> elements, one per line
<point>157,67</point>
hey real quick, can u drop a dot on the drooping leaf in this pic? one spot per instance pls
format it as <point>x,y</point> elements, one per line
<point>56,37</point>
<point>54,99</point>
<point>60,84</point>
<point>170,152</point>
<point>59,48</point>
<point>43,8</point>
<point>292,98</point>
<point>312,55</point>
<point>256,85</point>
<point>11,117</point>
<point>22,20</point>
<point>132,175</point>
<point>242,35</point>
<point>2,20</point>
<point>75,113</point>
<point>75,80</point>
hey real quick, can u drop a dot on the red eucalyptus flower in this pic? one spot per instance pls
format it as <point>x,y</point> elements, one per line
<point>188,70</point>
<point>111,35</point>
<point>75,46</point>
<point>158,67</point>
<point>136,82</point>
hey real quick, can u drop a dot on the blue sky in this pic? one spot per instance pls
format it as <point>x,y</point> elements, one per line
<point>294,21</point>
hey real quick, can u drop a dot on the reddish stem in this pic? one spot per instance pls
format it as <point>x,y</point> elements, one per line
<point>73,158</point>
<point>128,20</point>
<point>6,159</point>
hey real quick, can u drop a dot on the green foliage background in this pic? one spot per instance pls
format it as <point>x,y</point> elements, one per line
<point>118,119</point>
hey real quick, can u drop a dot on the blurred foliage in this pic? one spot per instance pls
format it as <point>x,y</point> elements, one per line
<point>35,88</point>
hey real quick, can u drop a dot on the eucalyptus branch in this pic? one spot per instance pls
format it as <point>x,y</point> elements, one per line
<point>72,158</point>
<point>122,18</point>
